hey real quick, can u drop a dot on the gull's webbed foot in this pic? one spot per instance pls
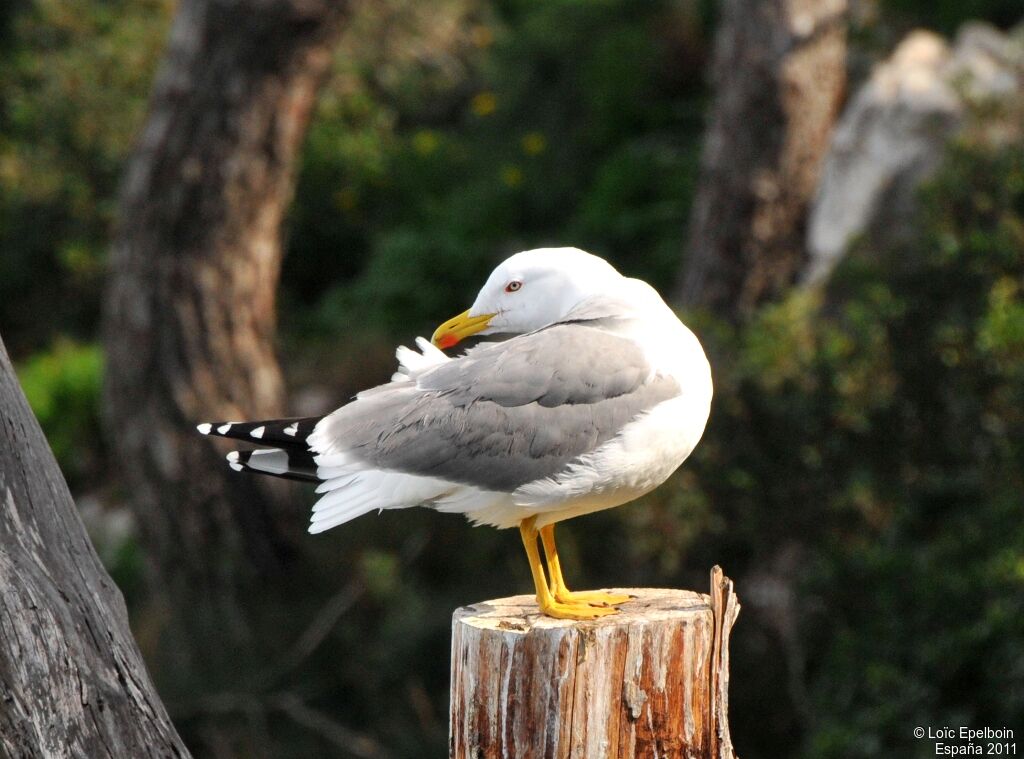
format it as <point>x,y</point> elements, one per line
<point>562,610</point>
<point>593,597</point>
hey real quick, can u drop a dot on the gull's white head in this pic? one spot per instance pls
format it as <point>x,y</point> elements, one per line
<point>531,290</point>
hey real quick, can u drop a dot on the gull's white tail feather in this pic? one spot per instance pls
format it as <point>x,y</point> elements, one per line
<point>361,493</point>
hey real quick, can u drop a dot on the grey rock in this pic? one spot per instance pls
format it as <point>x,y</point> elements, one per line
<point>893,133</point>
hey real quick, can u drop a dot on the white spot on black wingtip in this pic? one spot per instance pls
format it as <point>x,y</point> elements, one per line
<point>204,428</point>
<point>223,429</point>
<point>258,432</point>
<point>233,461</point>
<point>292,429</point>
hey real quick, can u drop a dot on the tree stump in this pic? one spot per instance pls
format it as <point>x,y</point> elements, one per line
<point>651,681</point>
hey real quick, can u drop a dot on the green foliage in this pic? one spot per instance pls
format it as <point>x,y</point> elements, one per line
<point>878,429</point>
<point>946,16</point>
<point>74,78</point>
<point>63,388</point>
<point>572,123</point>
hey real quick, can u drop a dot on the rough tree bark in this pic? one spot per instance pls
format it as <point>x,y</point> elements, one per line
<point>779,73</point>
<point>190,317</point>
<point>652,680</point>
<point>72,681</point>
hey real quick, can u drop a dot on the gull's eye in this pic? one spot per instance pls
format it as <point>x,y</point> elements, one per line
<point>513,286</point>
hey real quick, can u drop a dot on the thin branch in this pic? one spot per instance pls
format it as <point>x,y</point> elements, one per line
<point>257,703</point>
<point>332,612</point>
<point>255,707</point>
<point>319,628</point>
<point>344,738</point>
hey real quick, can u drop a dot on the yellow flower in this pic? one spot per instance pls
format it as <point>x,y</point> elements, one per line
<point>511,175</point>
<point>484,104</point>
<point>534,143</point>
<point>482,35</point>
<point>78,259</point>
<point>425,142</point>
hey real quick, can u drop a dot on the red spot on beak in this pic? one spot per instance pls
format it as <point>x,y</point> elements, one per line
<point>447,341</point>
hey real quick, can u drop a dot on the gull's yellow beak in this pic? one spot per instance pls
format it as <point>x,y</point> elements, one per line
<point>458,328</point>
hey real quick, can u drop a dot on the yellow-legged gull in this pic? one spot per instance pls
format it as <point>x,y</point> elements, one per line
<point>597,398</point>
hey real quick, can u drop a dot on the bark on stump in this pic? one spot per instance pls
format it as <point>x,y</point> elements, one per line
<point>651,681</point>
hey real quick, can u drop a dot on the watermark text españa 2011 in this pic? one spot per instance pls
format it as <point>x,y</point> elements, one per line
<point>968,741</point>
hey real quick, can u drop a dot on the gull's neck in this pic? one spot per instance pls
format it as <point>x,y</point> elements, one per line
<point>636,311</point>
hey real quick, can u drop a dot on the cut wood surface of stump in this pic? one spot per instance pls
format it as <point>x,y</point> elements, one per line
<point>650,681</point>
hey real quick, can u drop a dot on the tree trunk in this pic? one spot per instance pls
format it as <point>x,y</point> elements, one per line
<point>779,73</point>
<point>190,318</point>
<point>651,680</point>
<point>72,681</point>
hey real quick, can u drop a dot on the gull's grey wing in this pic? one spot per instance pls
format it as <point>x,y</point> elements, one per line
<point>505,413</point>
<point>563,364</point>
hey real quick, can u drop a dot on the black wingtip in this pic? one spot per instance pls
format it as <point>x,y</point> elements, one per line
<point>287,433</point>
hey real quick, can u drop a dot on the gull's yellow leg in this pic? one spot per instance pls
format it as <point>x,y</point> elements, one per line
<point>548,603</point>
<point>558,589</point>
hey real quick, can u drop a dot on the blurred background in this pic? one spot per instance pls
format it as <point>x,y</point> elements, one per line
<point>223,210</point>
